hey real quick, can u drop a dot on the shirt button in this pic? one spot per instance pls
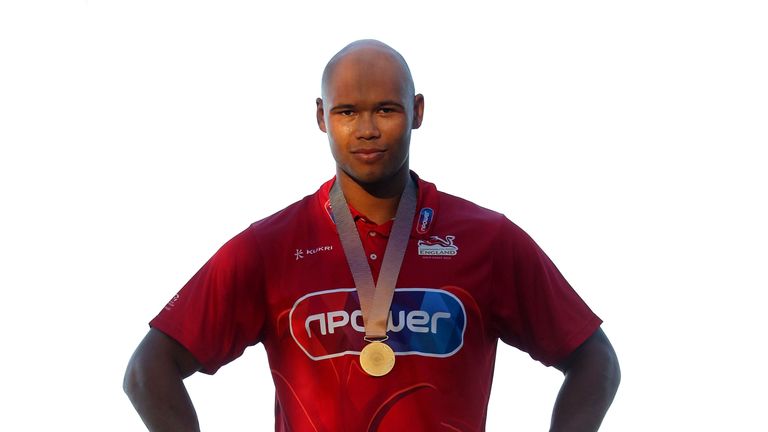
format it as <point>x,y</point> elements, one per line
<point>372,233</point>
<point>373,256</point>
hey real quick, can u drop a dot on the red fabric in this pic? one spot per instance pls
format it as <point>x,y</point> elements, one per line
<point>284,282</point>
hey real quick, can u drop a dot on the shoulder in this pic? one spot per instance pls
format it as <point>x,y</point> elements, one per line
<point>302,215</point>
<point>464,209</point>
<point>283,219</point>
<point>458,213</point>
<point>456,210</point>
<point>271,234</point>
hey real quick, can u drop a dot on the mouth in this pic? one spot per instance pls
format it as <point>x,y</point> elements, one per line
<point>368,154</point>
<point>368,150</point>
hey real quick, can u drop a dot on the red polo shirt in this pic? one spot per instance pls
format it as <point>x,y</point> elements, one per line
<point>469,278</point>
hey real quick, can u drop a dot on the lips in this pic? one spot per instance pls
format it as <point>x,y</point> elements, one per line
<point>368,150</point>
<point>368,154</point>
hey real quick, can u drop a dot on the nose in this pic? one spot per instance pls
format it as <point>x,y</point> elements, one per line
<point>367,128</point>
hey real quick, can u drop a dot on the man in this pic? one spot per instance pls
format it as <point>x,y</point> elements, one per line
<point>315,284</point>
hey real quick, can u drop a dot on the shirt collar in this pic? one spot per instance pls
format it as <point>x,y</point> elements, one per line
<point>426,207</point>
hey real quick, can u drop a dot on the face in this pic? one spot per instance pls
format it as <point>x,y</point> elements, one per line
<point>368,110</point>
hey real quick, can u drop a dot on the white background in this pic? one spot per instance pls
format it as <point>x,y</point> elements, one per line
<point>627,138</point>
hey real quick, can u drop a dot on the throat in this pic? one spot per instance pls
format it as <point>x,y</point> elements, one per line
<point>377,202</point>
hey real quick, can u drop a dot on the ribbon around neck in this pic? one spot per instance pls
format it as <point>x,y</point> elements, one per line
<point>375,299</point>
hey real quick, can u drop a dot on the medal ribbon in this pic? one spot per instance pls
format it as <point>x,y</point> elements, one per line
<point>375,299</point>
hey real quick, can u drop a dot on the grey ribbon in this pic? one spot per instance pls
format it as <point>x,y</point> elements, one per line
<point>375,299</point>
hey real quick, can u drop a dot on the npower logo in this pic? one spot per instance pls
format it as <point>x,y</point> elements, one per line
<point>422,321</point>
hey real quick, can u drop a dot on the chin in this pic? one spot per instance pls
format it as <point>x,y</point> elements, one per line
<point>371,175</point>
<point>370,178</point>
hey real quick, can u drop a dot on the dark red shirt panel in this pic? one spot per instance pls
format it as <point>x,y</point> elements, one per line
<point>469,277</point>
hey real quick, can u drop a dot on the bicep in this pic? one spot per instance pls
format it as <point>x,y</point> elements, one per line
<point>596,349</point>
<point>157,348</point>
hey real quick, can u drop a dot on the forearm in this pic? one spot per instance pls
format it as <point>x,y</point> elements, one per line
<point>590,384</point>
<point>161,399</point>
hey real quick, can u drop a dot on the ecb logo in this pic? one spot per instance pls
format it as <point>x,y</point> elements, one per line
<point>422,321</point>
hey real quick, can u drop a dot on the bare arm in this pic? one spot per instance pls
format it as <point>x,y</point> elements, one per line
<point>154,384</point>
<point>592,377</point>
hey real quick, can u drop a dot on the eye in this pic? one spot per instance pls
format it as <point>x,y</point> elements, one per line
<point>386,110</point>
<point>346,112</point>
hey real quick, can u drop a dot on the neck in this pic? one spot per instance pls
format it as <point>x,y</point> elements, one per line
<point>377,201</point>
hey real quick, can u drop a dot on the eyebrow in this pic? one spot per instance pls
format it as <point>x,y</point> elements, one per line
<point>390,102</point>
<point>342,106</point>
<point>378,104</point>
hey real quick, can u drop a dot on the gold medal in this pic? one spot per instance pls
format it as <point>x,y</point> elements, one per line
<point>377,359</point>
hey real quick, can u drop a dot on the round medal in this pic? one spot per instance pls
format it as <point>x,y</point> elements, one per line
<point>377,359</point>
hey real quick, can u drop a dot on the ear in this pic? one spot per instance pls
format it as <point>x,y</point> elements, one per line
<point>320,114</point>
<point>418,110</point>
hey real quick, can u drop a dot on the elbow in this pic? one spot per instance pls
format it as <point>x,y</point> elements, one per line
<point>608,368</point>
<point>131,382</point>
<point>138,376</point>
<point>611,372</point>
<point>606,372</point>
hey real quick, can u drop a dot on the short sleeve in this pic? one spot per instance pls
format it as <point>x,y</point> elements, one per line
<point>535,309</point>
<point>220,311</point>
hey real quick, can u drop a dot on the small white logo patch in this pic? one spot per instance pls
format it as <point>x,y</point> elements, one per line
<point>172,302</point>
<point>300,253</point>
<point>438,246</point>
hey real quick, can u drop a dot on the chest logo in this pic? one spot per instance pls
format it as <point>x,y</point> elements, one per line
<point>422,321</point>
<point>300,253</point>
<point>438,246</point>
<point>426,216</point>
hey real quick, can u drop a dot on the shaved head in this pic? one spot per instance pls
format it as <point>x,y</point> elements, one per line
<point>368,109</point>
<point>368,54</point>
